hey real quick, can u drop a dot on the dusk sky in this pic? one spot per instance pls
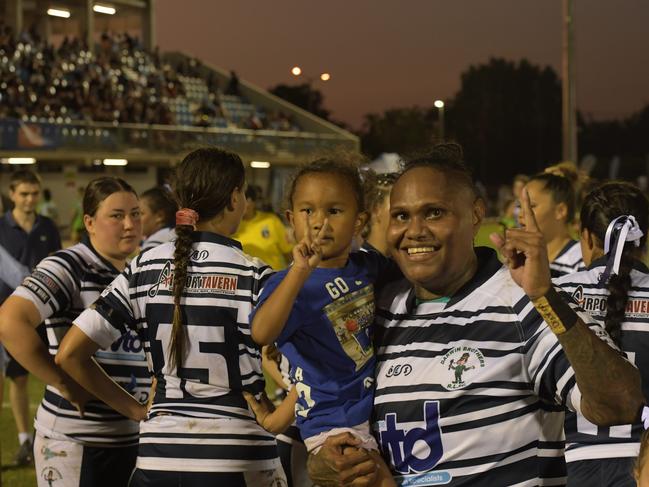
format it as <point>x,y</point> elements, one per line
<point>388,53</point>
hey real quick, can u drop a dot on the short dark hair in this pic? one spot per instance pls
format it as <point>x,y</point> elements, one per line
<point>448,158</point>
<point>254,193</point>
<point>160,199</point>
<point>23,176</point>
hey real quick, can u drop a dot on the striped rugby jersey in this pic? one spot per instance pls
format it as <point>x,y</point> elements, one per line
<point>568,261</point>
<point>164,235</point>
<point>199,420</point>
<point>586,441</point>
<point>61,287</point>
<point>460,383</point>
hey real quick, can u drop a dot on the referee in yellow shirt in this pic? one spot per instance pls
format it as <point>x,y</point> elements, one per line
<point>263,234</point>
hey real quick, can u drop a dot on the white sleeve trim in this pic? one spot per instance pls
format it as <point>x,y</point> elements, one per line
<point>97,328</point>
<point>573,400</point>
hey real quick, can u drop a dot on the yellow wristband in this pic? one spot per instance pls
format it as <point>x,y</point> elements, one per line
<point>555,312</point>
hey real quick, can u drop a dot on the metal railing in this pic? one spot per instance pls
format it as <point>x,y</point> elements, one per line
<point>18,135</point>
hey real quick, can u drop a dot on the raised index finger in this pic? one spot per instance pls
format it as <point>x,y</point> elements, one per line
<point>307,234</point>
<point>530,219</point>
<point>322,230</point>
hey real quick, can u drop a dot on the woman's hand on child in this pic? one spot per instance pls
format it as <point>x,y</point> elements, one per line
<point>307,254</point>
<point>338,462</point>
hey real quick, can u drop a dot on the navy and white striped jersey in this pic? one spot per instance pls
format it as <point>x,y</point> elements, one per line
<point>199,420</point>
<point>164,235</point>
<point>61,287</point>
<point>461,381</point>
<point>586,441</point>
<point>568,261</point>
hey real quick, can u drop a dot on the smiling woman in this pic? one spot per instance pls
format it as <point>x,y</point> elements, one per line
<point>435,214</point>
<point>467,350</point>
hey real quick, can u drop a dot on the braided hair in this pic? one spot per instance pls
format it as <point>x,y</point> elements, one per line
<point>447,158</point>
<point>600,207</point>
<point>204,182</point>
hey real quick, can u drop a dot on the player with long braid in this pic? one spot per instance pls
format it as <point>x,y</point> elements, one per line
<point>189,302</point>
<point>614,289</point>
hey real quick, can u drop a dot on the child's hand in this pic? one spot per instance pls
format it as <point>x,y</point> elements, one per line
<point>307,254</point>
<point>261,408</point>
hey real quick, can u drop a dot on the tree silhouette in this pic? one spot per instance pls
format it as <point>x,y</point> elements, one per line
<point>304,96</point>
<point>508,118</point>
<point>400,130</point>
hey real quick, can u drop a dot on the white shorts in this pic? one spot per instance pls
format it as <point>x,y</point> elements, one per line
<point>360,431</point>
<point>58,462</point>
<point>65,463</point>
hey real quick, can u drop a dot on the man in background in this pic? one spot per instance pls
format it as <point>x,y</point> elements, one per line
<point>28,238</point>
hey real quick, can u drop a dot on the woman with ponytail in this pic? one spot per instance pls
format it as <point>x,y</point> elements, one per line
<point>553,200</point>
<point>189,301</point>
<point>615,290</point>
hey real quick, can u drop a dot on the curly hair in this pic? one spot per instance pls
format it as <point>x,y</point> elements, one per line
<point>343,164</point>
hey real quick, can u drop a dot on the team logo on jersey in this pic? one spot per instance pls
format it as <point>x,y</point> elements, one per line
<point>42,285</point>
<point>597,304</point>
<point>350,316</point>
<point>196,282</point>
<point>463,363</point>
<point>199,255</point>
<point>399,369</point>
<point>578,296</point>
<point>412,446</point>
<point>129,342</point>
<point>51,475</point>
<point>164,279</point>
<point>265,231</point>
<point>48,454</point>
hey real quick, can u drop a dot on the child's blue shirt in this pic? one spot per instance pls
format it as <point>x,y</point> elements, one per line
<point>327,340</point>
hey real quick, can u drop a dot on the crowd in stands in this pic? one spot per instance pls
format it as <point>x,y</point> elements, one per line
<point>117,81</point>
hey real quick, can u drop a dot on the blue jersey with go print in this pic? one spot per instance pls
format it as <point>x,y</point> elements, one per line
<point>327,340</point>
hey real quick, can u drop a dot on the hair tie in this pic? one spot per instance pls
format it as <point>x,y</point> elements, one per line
<point>645,417</point>
<point>622,229</point>
<point>186,216</point>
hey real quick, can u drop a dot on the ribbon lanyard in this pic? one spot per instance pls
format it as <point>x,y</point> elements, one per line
<point>621,230</point>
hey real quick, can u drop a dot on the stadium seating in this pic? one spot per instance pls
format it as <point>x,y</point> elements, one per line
<point>118,82</point>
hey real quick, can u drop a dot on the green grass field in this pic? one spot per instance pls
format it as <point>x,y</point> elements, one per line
<point>26,476</point>
<point>12,476</point>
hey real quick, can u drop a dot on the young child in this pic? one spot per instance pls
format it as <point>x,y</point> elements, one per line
<point>319,311</point>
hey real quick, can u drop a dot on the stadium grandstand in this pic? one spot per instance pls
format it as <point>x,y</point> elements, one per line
<point>82,87</point>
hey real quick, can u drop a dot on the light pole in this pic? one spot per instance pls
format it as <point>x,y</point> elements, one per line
<point>440,111</point>
<point>324,77</point>
<point>568,84</point>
